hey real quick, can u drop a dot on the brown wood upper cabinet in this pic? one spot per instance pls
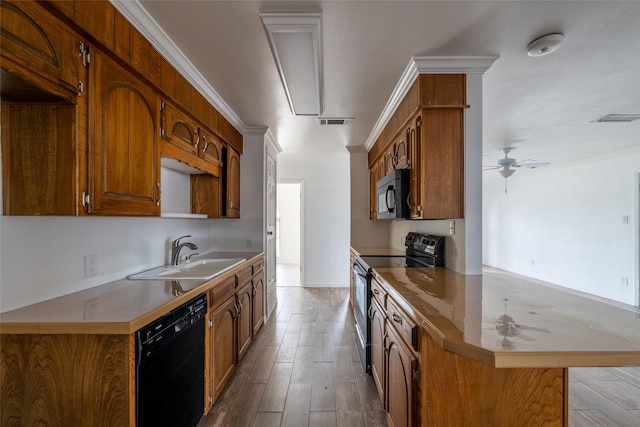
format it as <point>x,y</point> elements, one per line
<point>231,183</point>
<point>185,140</point>
<point>83,131</point>
<point>426,134</point>
<point>124,157</point>
<point>39,54</point>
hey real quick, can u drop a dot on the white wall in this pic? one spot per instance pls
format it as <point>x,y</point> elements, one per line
<point>325,253</point>
<point>364,232</point>
<point>289,225</point>
<point>564,225</point>
<point>454,245</point>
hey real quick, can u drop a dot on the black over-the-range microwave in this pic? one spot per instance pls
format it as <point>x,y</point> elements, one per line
<point>393,195</point>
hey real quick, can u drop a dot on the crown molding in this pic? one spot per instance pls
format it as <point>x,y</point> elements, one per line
<point>356,149</point>
<point>426,65</point>
<point>272,141</point>
<point>143,22</point>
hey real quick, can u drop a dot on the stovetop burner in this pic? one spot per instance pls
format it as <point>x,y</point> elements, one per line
<point>422,250</point>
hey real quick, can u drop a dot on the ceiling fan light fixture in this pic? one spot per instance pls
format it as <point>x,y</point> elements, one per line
<point>506,173</point>
<point>545,45</point>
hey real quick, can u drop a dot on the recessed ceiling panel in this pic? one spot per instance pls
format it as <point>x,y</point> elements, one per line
<point>295,40</point>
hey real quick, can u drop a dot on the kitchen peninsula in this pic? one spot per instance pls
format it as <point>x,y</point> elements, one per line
<point>493,349</point>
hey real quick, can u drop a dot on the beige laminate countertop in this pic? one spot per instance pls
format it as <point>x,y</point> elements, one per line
<point>120,307</point>
<point>549,327</point>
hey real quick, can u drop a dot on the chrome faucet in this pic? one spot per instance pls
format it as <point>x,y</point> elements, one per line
<point>176,247</point>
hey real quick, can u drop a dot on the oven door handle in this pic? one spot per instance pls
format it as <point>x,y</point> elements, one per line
<point>357,270</point>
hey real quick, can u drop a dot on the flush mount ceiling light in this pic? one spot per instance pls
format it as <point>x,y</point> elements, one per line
<point>296,42</point>
<point>545,44</point>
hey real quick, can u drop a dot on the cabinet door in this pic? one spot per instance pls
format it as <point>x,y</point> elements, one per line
<point>231,183</point>
<point>243,321</point>
<point>400,382</point>
<point>400,149</point>
<point>257,301</point>
<point>124,159</point>
<point>389,161</point>
<point>178,129</point>
<point>415,191</point>
<point>377,347</point>
<point>373,196</point>
<point>211,151</point>
<point>222,343</point>
<point>39,49</point>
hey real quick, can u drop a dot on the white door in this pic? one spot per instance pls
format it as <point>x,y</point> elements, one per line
<point>271,235</point>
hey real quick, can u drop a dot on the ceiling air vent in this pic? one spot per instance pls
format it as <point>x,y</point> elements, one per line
<point>335,121</point>
<point>617,118</point>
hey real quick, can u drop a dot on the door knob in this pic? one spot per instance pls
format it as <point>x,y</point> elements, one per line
<point>270,233</point>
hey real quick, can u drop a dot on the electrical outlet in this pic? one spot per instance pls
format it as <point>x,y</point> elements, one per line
<point>625,281</point>
<point>533,262</point>
<point>625,219</point>
<point>90,265</point>
<point>90,309</point>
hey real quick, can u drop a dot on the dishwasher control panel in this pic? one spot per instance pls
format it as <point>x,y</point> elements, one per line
<point>157,334</point>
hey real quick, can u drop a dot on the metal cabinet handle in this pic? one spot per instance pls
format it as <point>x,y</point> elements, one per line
<point>204,149</point>
<point>237,313</point>
<point>396,318</point>
<point>159,193</point>
<point>197,135</point>
<point>377,292</point>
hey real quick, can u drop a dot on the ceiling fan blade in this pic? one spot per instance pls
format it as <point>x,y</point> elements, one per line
<point>525,164</point>
<point>490,168</point>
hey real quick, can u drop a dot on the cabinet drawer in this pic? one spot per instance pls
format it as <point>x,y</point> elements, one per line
<point>258,265</point>
<point>220,293</point>
<point>378,293</point>
<point>243,277</point>
<point>403,324</point>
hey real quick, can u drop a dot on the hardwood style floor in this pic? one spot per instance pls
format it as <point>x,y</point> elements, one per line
<point>303,369</point>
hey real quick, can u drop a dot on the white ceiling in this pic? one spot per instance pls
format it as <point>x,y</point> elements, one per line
<point>542,106</point>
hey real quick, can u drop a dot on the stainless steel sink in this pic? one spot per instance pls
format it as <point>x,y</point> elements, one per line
<point>202,269</point>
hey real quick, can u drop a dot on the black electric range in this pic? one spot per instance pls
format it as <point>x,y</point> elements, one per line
<point>421,250</point>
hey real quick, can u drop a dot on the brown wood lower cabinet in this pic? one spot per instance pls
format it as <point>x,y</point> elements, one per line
<point>377,347</point>
<point>394,366</point>
<point>257,302</point>
<point>67,380</point>
<point>401,381</point>
<point>244,322</point>
<point>222,347</point>
<point>237,313</point>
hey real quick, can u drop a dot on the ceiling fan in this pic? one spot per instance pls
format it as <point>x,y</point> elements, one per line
<point>505,166</point>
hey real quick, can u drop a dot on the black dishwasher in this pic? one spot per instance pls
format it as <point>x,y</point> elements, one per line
<point>170,367</point>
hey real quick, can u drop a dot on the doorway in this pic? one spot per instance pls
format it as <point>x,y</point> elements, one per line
<point>289,234</point>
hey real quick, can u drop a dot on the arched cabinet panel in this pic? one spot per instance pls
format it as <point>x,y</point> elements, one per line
<point>124,157</point>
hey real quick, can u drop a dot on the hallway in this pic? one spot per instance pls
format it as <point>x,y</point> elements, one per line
<point>302,369</point>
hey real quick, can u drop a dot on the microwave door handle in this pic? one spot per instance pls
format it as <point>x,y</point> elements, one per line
<point>386,199</point>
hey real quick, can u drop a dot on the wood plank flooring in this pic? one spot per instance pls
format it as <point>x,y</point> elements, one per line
<point>303,369</point>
